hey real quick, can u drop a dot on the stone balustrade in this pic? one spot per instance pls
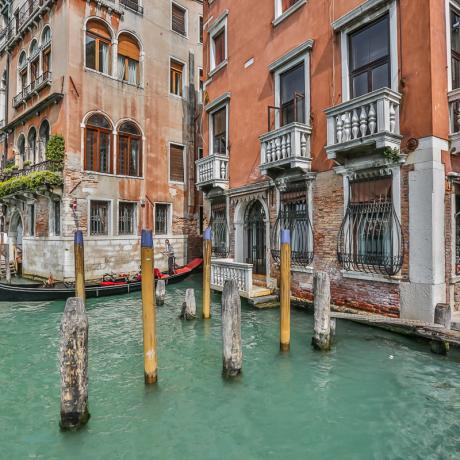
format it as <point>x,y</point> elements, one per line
<point>369,120</point>
<point>225,269</point>
<point>212,171</point>
<point>286,148</point>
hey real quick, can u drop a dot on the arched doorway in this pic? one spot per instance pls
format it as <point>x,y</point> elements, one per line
<point>15,234</point>
<point>255,238</point>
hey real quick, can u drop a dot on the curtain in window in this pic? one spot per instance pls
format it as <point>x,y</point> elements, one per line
<point>134,158</point>
<point>104,57</point>
<point>121,67</point>
<point>132,71</point>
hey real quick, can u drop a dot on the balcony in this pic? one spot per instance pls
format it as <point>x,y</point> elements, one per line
<point>285,148</point>
<point>133,5</point>
<point>47,165</point>
<point>36,86</point>
<point>367,122</point>
<point>212,172</point>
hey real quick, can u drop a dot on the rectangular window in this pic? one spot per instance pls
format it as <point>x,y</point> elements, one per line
<point>200,30</point>
<point>370,58</point>
<point>219,131</point>
<point>32,219</point>
<point>455,47</point>
<point>99,218</point>
<point>57,218</point>
<point>34,68</point>
<point>162,218</point>
<point>176,163</point>
<point>179,19</point>
<point>219,47</point>
<point>176,78</point>
<point>200,153</point>
<point>292,95</point>
<point>126,218</point>
<point>47,60</point>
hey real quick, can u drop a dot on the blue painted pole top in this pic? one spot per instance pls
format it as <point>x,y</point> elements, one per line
<point>147,239</point>
<point>285,237</point>
<point>78,237</point>
<point>207,235</point>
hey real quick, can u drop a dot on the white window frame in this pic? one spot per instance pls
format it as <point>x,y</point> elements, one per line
<point>169,218</point>
<point>215,29</point>
<point>354,20</point>
<point>281,15</point>
<point>182,7</point>
<point>109,218</point>
<point>225,104</point>
<point>184,150</point>
<point>135,218</point>
<point>184,77</point>
<point>200,42</point>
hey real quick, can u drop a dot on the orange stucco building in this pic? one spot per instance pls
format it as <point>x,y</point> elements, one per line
<point>119,81</point>
<point>336,119</point>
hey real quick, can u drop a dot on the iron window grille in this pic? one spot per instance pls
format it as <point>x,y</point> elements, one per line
<point>57,218</point>
<point>294,215</point>
<point>126,218</point>
<point>457,235</point>
<point>370,239</point>
<point>219,227</point>
<point>161,219</point>
<point>99,218</point>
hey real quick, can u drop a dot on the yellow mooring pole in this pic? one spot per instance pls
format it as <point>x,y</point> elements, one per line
<point>207,251</point>
<point>285,291</point>
<point>148,308</point>
<point>79,253</point>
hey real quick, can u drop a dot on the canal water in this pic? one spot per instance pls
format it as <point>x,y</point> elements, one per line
<point>375,396</point>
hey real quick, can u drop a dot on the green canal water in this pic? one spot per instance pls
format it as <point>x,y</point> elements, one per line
<point>375,396</point>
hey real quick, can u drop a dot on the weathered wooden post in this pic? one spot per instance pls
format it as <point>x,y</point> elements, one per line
<point>442,316</point>
<point>207,251</point>
<point>160,292</point>
<point>322,292</point>
<point>285,291</point>
<point>73,363</point>
<point>189,306</point>
<point>148,308</point>
<point>79,253</point>
<point>231,330</point>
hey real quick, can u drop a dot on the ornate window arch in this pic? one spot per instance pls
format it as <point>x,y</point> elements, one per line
<point>44,136</point>
<point>129,59</point>
<point>129,162</point>
<point>46,49</point>
<point>34,57</point>
<point>98,46</point>
<point>21,146</point>
<point>98,144</point>
<point>32,145</point>
<point>22,71</point>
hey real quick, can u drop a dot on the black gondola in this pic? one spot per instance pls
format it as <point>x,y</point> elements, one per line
<point>32,293</point>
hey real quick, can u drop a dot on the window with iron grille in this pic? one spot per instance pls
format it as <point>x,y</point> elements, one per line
<point>126,218</point>
<point>179,17</point>
<point>370,239</point>
<point>219,229</point>
<point>176,163</point>
<point>57,218</point>
<point>99,218</point>
<point>294,215</point>
<point>161,218</point>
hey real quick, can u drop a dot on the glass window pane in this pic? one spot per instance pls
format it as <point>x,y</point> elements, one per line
<point>122,154</point>
<point>90,52</point>
<point>219,129</point>
<point>380,77</point>
<point>134,158</point>
<point>103,57</point>
<point>104,152</point>
<point>455,31</point>
<point>292,82</point>
<point>90,149</point>
<point>360,84</point>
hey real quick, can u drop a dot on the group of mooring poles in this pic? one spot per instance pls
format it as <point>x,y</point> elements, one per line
<point>74,328</point>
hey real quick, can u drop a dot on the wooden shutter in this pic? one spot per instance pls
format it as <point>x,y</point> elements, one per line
<point>98,28</point>
<point>178,19</point>
<point>128,47</point>
<point>176,163</point>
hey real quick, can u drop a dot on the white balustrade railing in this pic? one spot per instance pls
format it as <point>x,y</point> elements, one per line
<point>285,145</point>
<point>363,117</point>
<point>212,169</point>
<point>227,269</point>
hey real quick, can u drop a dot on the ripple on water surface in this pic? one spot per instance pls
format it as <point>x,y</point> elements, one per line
<point>375,396</point>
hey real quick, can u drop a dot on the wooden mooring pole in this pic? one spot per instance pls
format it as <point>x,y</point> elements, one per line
<point>231,330</point>
<point>73,362</point>
<point>207,251</point>
<point>148,308</point>
<point>79,253</point>
<point>322,323</point>
<point>285,291</point>
<point>189,305</point>
<point>442,316</point>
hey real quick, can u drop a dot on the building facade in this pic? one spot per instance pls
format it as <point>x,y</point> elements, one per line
<point>338,120</point>
<point>117,82</point>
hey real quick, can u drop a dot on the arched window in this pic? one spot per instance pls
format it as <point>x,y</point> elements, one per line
<point>44,134</point>
<point>22,146</point>
<point>34,61</point>
<point>128,59</point>
<point>32,145</point>
<point>98,46</point>
<point>46,50</point>
<point>129,150</point>
<point>98,144</point>
<point>22,67</point>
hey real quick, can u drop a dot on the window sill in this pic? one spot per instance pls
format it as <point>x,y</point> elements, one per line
<point>174,182</point>
<point>371,277</point>
<point>111,77</point>
<point>288,12</point>
<point>117,176</point>
<point>176,96</point>
<point>218,68</point>
<point>308,270</point>
<point>179,34</point>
